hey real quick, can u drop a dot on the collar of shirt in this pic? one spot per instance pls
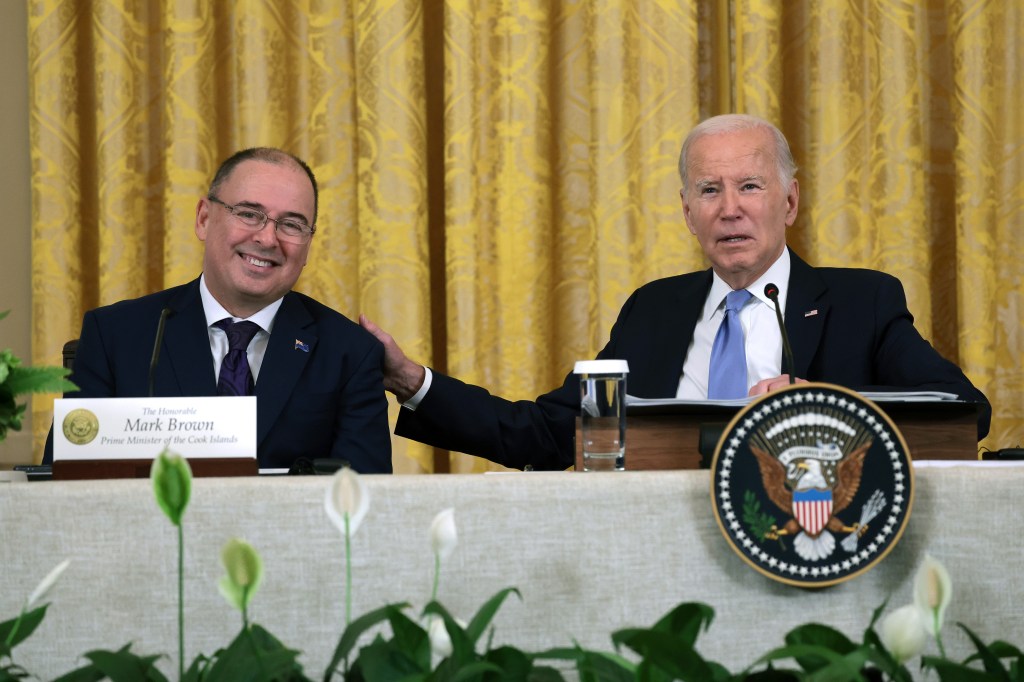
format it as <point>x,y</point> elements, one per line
<point>778,274</point>
<point>215,312</point>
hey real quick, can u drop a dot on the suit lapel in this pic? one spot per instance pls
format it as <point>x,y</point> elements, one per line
<point>679,316</point>
<point>807,306</point>
<point>284,361</point>
<point>186,345</point>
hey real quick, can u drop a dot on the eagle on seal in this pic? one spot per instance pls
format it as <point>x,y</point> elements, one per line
<point>803,492</point>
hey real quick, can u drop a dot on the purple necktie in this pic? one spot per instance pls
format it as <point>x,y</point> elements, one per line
<point>727,377</point>
<point>235,377</point>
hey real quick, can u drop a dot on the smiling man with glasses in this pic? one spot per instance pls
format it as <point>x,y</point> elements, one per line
<point>239,329</point>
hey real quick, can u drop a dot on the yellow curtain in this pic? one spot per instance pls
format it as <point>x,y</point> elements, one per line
<point>498,176</point>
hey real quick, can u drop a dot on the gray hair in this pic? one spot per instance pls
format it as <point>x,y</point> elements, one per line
<point>731,123</point>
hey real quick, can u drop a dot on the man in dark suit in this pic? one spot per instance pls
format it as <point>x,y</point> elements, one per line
<point>849,327</point>
<point>316,375</point>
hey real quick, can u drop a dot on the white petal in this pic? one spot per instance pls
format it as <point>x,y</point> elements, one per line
<point>440,640</point>
<point>443,534</point>
<point>933,590</point>
<point>347,496</point>
<point>46,584</point>
<point>903,632</point>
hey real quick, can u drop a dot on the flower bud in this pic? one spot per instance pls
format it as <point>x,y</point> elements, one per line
<point>443,534</point>
<point>244,572</point>
<point>932,591</point>
<point>172,484</point>
<point>903,632</point>
<point>45,585</point>
<point>347,497</point>
<point>440,640</point>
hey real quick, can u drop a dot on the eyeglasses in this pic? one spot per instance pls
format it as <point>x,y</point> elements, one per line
<point>288,229</point>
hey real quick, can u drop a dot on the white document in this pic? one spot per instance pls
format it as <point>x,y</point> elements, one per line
<point>140,428</point>
<point>876,396</point>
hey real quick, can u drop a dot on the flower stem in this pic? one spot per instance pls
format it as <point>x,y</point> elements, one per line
<point>938,633</point>
<point>181,603</point>
<point>437,575</point>
<point>348,573</point>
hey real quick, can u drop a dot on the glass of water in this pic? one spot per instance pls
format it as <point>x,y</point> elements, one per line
<point>603,413</point>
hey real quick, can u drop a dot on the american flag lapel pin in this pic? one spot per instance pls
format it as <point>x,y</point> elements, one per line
<point>811,313</point>
<point>299,345</point>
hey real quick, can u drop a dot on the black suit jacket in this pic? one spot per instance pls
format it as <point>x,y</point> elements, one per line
<point>846,326</point>
<point>328,402</point>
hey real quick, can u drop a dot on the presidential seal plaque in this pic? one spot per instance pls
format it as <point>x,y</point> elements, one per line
<point>812,484</point>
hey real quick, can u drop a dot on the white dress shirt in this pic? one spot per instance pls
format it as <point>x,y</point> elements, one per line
<point>762,338</point>
<point>215,312</point>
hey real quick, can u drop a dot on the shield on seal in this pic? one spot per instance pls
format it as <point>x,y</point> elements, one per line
<point>812,509</point>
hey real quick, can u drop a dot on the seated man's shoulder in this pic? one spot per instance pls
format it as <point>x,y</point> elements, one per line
<point>142,307</point>
<point>674,283</point>
<point>330,320</point>
<point>860,277</point>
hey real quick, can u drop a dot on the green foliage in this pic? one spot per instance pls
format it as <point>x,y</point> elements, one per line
<point>17,380</point>
<point>758,522</point>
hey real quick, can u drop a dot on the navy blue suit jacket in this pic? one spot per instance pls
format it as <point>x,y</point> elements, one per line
<point>327,402</point>
<point>862,337</point>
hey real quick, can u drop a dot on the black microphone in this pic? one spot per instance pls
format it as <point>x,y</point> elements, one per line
<point>164,314</point>
<point>772,292</point>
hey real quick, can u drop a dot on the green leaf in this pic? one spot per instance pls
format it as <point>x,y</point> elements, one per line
<point>379,660</point>
<point>988,659</point>
<point>354,631</point>
<point>410,637</point>
<point>119,666</point>
<point>29,622</point>
<point>951,671</point>
<point>486,613</point>
<point>512,664</point>
<point>23,380</point>
<point>666,651</point>
<point>686,621</point>
<point>256,655</point>
<point>815,634</point>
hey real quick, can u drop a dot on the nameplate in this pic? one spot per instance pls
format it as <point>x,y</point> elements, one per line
<point>140,428</point>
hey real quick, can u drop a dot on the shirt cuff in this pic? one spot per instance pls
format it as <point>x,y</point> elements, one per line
<point>414,402</point>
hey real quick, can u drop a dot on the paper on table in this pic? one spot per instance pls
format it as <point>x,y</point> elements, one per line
<point>877,396</point>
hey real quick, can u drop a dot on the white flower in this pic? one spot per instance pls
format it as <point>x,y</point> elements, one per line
<point>347,497</point>
<point>45,585</point>
<point>932,591</point>
<point>443,534</point>
<point>440,640</point>
<point>903,632</point>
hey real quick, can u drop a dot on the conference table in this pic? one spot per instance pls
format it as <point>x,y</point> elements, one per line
<point>590,554</point>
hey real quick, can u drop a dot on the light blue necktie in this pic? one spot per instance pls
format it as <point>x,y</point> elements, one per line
<point>727,377</point>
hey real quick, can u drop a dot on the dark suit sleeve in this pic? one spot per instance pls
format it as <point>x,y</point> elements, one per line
<point>466,418</point>
<point>361,433</point>
<point>541,433</point>
<point>905,360</point>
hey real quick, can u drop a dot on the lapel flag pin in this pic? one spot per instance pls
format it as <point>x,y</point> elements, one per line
<point>809,313</point>
<point>299,345</point>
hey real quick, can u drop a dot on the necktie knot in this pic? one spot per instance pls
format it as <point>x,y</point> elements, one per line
<point>736,300</point>
<point>239,333</point>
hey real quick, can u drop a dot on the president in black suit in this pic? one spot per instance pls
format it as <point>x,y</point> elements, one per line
<point>316,375</point>
<point>847,326</point>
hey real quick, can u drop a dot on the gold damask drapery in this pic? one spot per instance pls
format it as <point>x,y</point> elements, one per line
<point>496,177</point>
